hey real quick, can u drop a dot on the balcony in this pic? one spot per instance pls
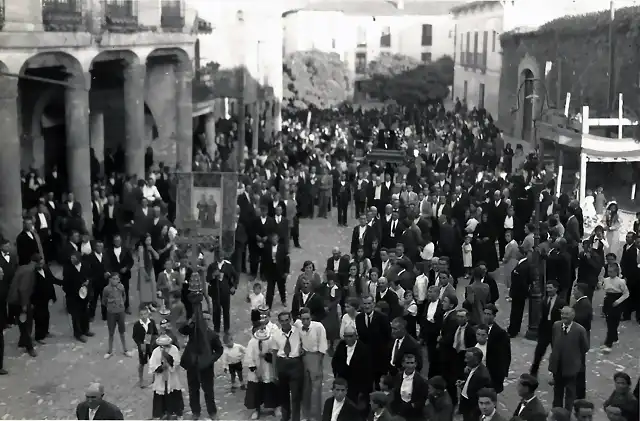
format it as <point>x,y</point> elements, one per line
<point>62,15</point>
<point>172,17</point>
<point>120,15</point>
<point>1,14</point>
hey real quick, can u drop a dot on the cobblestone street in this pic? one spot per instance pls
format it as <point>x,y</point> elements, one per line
<point>51,385</point>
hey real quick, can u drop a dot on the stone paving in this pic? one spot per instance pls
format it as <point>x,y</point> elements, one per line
<point>51,385</point>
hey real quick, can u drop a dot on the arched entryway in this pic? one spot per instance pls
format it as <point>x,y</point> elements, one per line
<point>528,101</point>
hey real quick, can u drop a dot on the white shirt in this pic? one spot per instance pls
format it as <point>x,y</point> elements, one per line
<point>406,388</point>
<point>483,348</point>
<point>151,193</point>
<point>378,192</point>
<point>314,339</point>
<point>431,310</point>
<point>361,232</point>
<point>232,355</point>
<point>7,257</point>
<point>420,288</point>
<point>466,383</point>
<point>394,225</point>
<point>256,300</point>
<point>278,219</point>
<point>350,350</point>
<point>488,417</point>
<point>30,234</point>
<point>274,252</point>
<point>336,265</point>
<point>92,412</point>
<point>43,221</point>
<point>522,405</point>
<point>305,297</point>
<point>99,257</point>
<point>116,252</point>
<point>337,407</point>
<point>508,222</point>
<point>279,339</point>
<point>385,265</point>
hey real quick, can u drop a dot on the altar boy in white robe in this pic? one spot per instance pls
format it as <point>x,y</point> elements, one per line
<point>164,366</point>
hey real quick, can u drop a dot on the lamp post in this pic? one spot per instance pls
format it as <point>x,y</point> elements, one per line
<point>537,281</point>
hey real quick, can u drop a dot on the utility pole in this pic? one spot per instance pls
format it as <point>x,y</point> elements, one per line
<point>240,143</point>
<point>612,55</point>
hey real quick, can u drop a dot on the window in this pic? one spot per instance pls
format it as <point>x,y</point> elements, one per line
<point>333,43</point>
<point>427,35</point>
<point>493,42</point>
<point>385,37</point>
<point>485,41</point>
<point>362,37</point>
<point>481,96</point>
<point>464,90</point>
<point>425,57</point>
<point>361,63</point>
<point>475,49</point>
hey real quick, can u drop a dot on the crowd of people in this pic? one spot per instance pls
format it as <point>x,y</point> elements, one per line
<point>385,312</point>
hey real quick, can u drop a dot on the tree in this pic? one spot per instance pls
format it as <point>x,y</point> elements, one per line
<point>406,80</point>
<point>314,79</point>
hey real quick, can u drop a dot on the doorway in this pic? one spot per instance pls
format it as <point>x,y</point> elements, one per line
<point>527,104</point>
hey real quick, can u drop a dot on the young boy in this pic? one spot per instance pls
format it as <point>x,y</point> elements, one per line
<point>144,335</point>
<point>166,284</point>
<point>113,298</point>
<point>232,357</point>
<point>256,297</point>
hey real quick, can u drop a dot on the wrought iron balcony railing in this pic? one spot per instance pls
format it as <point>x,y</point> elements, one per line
<point>121,15</point>
<point>172,15</point>
<point>62,15</point>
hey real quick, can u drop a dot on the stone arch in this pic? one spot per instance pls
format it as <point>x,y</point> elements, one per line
<point>528,68</point>
<point>53,59</point>
<point>127,56</point>
<point>183,57</point>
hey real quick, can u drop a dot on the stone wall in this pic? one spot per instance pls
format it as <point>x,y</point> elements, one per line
<point>581,45</point>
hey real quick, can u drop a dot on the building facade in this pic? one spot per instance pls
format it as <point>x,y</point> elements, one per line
<point>478,54</point>
<point>361,30</point>
<point>248,35</point>
<point>85,77</point>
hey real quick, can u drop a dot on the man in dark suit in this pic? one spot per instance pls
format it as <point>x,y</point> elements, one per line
<point>76,275</point>
<point>340,403</point>
<point>94,407</point>
<point>281,227</point>
<point>352,362</point>
<point>569,344</point>
<point>573,236</point>
<point>447,355</point>
<point>409,406</point>
<point>402,344</point>
<point>362,236</point>
<point>430,325</point>
<point>27,242</point>
<point>475,377</point>
<point>631,273</point>
<point>361,191</point>
<point>275,267</point>
<point>530,408</point>
<point>223,282</point>
<point>120,261</point>
<point>309,299</point>
<point>374,331</point>
<point>583,316</point>
<point>383,293</point>
<point>494,292</point>
<point>519,292</point>
<point>241,238</point>
<point>464,338</point>
<point>487,403</point>
<point>498,356</point>
<point>8,265</point>
<point>112,222</point>
<point>550,314</point>
<point>261,230</point>
<point>344,197</point>
<point>98,267</point>
<point>337,263</point>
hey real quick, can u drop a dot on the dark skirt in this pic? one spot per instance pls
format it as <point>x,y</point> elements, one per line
<point>259,393</point>
<point>171,404</point>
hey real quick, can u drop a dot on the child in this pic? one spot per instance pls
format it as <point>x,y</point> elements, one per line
<point>467,255</point>
<point>232,360</point>
<point>261,389</point>
<point>410,313</point>
<point>165,285</point>
<point>178,314</point>
<point>256,297</point>
<point>113,297</point>
<point>164,366</point>
<point>144,335</point>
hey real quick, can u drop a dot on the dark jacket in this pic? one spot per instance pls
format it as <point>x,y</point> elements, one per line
<point>349,411</point>
<point>106,411</point>
<point>200,354</point>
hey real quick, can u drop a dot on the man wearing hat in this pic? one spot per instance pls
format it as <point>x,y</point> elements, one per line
<point>94,407</point>
<point>439,406</point>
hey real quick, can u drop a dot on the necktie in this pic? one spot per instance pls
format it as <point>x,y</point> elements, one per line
<point>395,352</point>
<point>287,345</point>
<point>459,339</point>
<point>565,329</point>
<point>367,318</point>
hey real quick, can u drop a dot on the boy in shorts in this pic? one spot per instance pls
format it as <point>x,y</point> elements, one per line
<point>144,335</point>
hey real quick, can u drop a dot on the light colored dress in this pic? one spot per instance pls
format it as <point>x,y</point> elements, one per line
<point>347,322</point>
<point>612,234</point>
<point>589,211</point>
<point>146,279</point>
<point>511,257</point>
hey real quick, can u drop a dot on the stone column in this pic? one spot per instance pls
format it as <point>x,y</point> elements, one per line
<point>210,133</point>
<point>184,126</point>
<point>134,147</point>
<point>10,186</point>
<point>96,130</point>
<point>277,115</point>
<point>78,144</point>
<point>255,138</point>
<point>268,123</point>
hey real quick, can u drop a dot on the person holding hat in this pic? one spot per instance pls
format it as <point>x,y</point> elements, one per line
<point>167,389</point>
<point>77,289</point>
